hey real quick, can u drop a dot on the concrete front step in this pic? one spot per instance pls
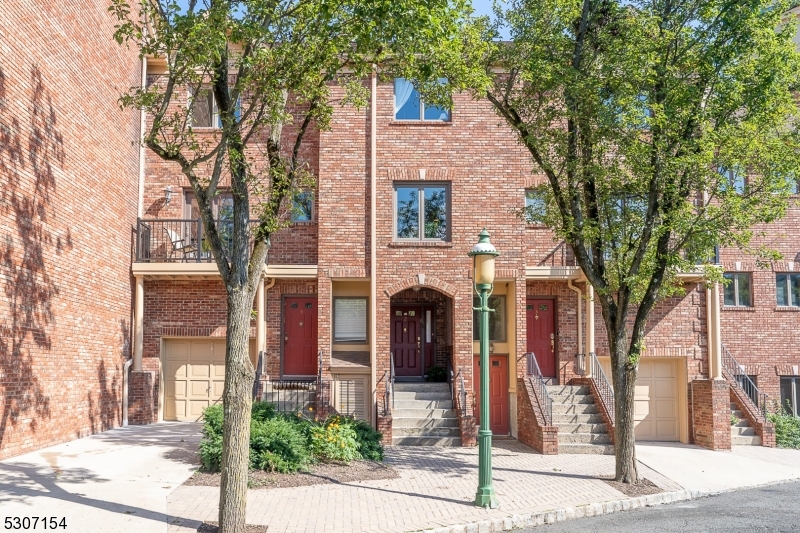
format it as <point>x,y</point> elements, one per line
<point>582,428</point>
<point>570,418</point>
<point>745,440</point>
<point>572,399</point>
<point>583,438</point>
<point>421,395</point>
<point>422,404</point>
<point>574,408</point>
<point>737,413</point>
<point>426,441</point>
<point>421,386</point>
<point>742,430</point>
<point>587,449</point>
<point>423,413</point>
<point>568,390</point>
<point>426,432</point>
<point>424,422</point>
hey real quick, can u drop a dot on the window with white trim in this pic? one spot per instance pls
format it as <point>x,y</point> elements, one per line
<point>787,289</point>
<point>350,319</point>
<point>422,211</point>
<point>497,319</point>
<point>737,292</point>
<point>203,108</point>
<point>790,394</point>
<point>735,177</point>
<point>408,103</point>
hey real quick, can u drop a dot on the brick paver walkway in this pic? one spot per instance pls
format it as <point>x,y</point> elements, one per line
<point>436,488</point>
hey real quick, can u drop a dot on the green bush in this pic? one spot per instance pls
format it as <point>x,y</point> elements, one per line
<point>211,452</point>
<point>436,374</point>
<point>278,445</point>
<point>369,440</point>
<point>334,440</point>
<point>787,429</point>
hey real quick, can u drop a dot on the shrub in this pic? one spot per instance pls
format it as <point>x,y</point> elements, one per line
<point>262,411</point>
<point>278,445</point>
<point>436,374</point>
<point>211,452</point>
<point>334,440</point>
<point>787,429</point>
<point>369,440</point>
<point>212,420</point>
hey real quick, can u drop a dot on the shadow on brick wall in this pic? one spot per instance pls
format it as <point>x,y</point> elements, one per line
<point>26,312</point>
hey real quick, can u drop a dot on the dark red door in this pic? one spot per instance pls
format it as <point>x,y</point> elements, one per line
<point>300,337</point>
<point>406,341</point>
<point>499,421</point>
<point>541,331</point>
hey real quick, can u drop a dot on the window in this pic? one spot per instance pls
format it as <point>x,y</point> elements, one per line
<point>790,394</point>
<point>737,291</point>
<point>350,320</point>
<point>735,178</point>
<point>221,206</point>
<point>203,108</point>
<point>497,320</point>
<point>303,206</point>
<point>787,289</point>
<point>535,205</point>
<point>408,104</point>
<point>422,211</point>
<point>794,183</point>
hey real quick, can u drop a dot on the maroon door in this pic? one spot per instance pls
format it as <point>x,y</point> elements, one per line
<point>300,337</point>
<point>499,421</point>
<point>541,330</point>
<point>407,341</point>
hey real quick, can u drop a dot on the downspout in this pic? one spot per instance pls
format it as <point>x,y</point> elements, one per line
<point>373,271</point>
<point>580,320</point>
<point>142,128</point>
<point>589,318</point>
<point>710,341</point>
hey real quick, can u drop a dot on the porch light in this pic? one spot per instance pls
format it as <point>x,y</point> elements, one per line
<point>483,255</point>
<point>168,195</point>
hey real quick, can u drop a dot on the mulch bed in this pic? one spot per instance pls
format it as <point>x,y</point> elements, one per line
<point>319,474</point>
<point>645,487</point>
<point>213,527</point>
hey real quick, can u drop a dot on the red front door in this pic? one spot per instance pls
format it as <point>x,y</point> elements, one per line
<point>406,341</point>
<point>499,421</point>
<point>541,318</point>
<point>300,337</point>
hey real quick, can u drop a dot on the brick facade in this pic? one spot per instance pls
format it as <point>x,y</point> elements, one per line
<point>711,415</point>
<point>69,166</point>
<point>532,429</point>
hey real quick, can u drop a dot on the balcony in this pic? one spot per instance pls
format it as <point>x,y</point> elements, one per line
<point>178,240</point>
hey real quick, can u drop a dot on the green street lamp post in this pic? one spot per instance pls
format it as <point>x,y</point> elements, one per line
<point>483,255</point>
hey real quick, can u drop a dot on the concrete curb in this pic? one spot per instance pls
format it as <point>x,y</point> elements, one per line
<point>520,521</point>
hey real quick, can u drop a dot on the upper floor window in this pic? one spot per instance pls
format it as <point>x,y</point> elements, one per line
<point>303,206</point>
<point>735,178</point>
<point>737,291</point>
<point>794,183</point>
<point>497,320</point>
<point>203,108</point>
<point>221,206</point>
<point>350,319</point>
<point>535,205</point>
<point>787,289</point>
<point>422,211</point>
<point>408,104</point>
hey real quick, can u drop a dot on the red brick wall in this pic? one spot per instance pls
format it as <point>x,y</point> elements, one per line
<point>710,408</point>
<point>69,169</point>
<point>532,430</point>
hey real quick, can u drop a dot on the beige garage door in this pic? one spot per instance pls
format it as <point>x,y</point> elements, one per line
<point>194,376</point>
<point>655,411</point>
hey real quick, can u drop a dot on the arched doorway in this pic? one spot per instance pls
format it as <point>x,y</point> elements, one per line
<point>421,335</point>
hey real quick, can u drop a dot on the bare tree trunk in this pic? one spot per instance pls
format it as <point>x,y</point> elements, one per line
<point>624,376</point>
<point>237,402</point>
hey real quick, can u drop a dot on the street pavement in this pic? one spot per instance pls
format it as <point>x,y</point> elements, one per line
<point>773,508</point>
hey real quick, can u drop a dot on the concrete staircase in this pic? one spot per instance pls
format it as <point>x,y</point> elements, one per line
<point>580,424</point>
<point>423,415</point>
<point>741,432</point>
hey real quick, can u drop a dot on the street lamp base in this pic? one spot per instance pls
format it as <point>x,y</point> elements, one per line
<point>485,498</point>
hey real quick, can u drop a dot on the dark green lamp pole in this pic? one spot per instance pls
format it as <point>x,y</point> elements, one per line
<point>483,254</point>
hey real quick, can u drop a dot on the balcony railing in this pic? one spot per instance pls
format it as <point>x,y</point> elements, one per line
<point>179,240</point>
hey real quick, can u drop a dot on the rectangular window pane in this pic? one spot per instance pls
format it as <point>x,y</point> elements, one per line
<point>303,206</point>
<point>435,212</point>
<point>407,212</point>
<point>436,113</point>
<point>534,206</point>
<point>794,290</point>
<point>497,320</point>
<point>406,100</point>
<point>786,394</point>
<point>781,289</point>
<point>350,320</point>
<point>743,280</point>
<point>202,109</point>
<point>729,290</point>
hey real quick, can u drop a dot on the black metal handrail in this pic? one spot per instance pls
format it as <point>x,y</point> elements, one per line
<point>390,384</point>
<point>536,381</point>
<point>462,392</point>
<point>604,388</point>
<point>736,374</point>
<point>179,240</point>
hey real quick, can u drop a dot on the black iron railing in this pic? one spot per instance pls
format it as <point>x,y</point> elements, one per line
<point>536,381</point>
<point>735,373</point>
<point>604,388</point>
<point>314,399</point>
<point>390,384</point>
<point>179,240</point>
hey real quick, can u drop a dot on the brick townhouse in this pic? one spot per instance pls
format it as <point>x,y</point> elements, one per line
<point>366,291</point>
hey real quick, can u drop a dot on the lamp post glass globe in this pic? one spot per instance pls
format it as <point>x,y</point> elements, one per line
<point>483,255</point>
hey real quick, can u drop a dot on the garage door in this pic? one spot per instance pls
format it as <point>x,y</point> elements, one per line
<point>194,376</point>
<point>655,411</point>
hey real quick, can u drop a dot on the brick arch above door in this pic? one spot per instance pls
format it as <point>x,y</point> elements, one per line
<point>422,280</point>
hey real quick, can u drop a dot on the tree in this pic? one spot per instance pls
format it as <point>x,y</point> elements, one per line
<point>663,128</point>
<point>260,66</point>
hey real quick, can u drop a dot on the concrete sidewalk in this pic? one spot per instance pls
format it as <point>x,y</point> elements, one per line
<point>117,481</point>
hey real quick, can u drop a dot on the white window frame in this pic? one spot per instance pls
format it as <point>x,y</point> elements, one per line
<point>789,294</point>
<point>420,186</point>
<point>735,282</point>
<point>215,125</point>
<point>421,117</point>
